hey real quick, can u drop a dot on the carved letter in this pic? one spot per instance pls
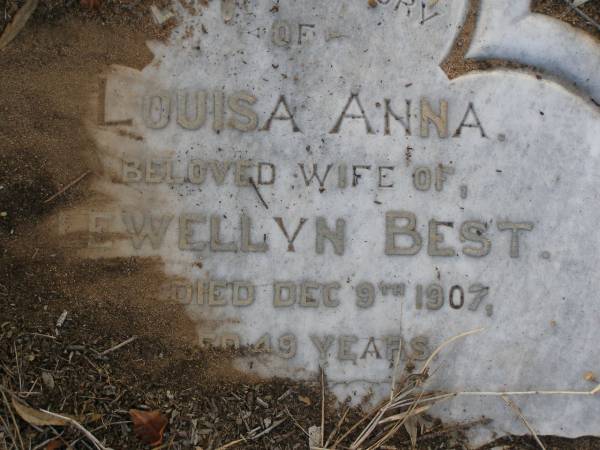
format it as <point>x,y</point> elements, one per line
<point>392,230</point>
<point>147,229</point>
<point>306,298</point>
<point>278,288</point>
<point>238,287</point>
<point>153,105</point>
<point>132,170</point>
<point>236,104</point>
<point>215,237</point>
<point>338,124</point>
<point>440,122</point>
<point>241,177</point>
<point>276,116</point>
<point>198,108</point>
<point>436,238</point>
<point>291,240</point>
<point>515,227</point>
<point>219,111</point>
<point>214,293</point>
<point>186,232</point>
<point>99,223</point>
<point>373,352</point>
<point>322,345</point>
<point>246,245</point>
<point>389,112</point>
<point>327,300</point>
<point>420,347</point>
<point>197,171</point>
<point>219,170</point>
<point>315,174</point>
<point>345,348</point>
<point>473,231</point>
<point>337,237</point>
<point>463,123</point>
<point>260,180</point>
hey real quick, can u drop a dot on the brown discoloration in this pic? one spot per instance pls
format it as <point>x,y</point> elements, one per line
<point>456,63</point>
<point>134,15</point>
<point>48,75</point>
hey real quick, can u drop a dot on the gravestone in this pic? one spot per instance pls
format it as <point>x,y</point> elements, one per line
<point>325,196</point>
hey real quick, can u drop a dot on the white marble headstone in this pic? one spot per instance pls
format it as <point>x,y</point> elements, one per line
<point>326,196</point>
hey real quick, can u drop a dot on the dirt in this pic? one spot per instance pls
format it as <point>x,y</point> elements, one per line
<point>562,11</point>
<point>456,63</point>
<point>47,75</point>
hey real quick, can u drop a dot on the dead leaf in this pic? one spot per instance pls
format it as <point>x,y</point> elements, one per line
<point>18,22</point>
<point>35,416</point>
<point>411,428</point>
<point>54,444</point>
<point>148,426</point>
<point>304,400</point>
<point>372,3</point>
<point>41,418</point>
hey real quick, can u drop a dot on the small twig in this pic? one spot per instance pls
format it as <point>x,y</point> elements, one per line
<point>415,382</point>
<point>253,438</point>
<point>395,371</point>
<point>47,441</point>
<point>118,346</point>
<point>447,342</point>
<point>112,424</point>
<point>268,430</point>
<point>284,395</point>
<point>371,426</point>
<point>322,406</point>
<point>231,444</point>
<point>353,427</point>
<point>517,410</point>
<point>12,416</point>
<point>10,434</point>
<point>594,391</point>
<point>582,14</point>
<point>262,200</point>
<point>409,413</point>
<point>42,335</point>
<point>295,421</point>
<point>337,427</point>
<point>401,416</point>
<point>18,366</point>
<point>68,186</point>
<point>30,392</point>
<point>80,427</point>
<point>17,23</point>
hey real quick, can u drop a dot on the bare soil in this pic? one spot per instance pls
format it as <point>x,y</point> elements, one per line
<point>456,63</point>
<point>560,10</point>
<point>46,77</point>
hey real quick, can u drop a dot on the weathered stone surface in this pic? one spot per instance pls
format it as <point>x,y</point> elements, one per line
<point>439,206</point>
